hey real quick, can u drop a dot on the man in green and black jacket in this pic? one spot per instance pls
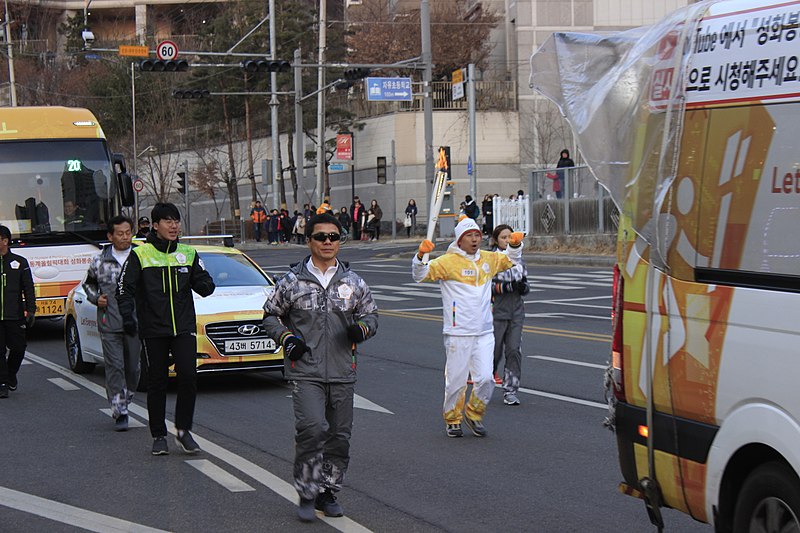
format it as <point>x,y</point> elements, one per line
<point>157,280</point>
<point>16,283</point>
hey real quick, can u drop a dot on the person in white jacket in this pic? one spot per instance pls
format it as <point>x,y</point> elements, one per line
<point>465,275</point>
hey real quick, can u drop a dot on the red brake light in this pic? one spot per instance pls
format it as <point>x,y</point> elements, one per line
<point>616,342</point>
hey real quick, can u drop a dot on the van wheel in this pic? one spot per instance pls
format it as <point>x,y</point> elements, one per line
<point>769,501</point>
<point>74,353</point>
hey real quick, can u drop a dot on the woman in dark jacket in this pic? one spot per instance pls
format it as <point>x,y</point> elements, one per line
<point>411,217</point>
<point>344,219</point>
<point>487,206</point>
<point>376,210</point>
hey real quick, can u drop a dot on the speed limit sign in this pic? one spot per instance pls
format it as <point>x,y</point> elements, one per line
<point>138,185</point>
<point>167,50</point>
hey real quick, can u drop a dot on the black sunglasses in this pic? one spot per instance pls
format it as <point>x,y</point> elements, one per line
<point>322,237</point>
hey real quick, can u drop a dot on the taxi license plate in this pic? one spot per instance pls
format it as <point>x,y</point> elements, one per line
<point>250,345</point>
<point>53,306</point>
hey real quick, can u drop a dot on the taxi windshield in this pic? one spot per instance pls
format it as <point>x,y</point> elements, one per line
<point>233,270</point>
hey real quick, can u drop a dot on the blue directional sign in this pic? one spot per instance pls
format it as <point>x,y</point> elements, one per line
<point>337,167</point>
<point>389,89</point>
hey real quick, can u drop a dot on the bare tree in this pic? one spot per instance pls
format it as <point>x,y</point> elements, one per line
<point>378,34</point>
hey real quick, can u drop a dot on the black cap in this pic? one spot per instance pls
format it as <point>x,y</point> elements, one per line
<point>144,220</point>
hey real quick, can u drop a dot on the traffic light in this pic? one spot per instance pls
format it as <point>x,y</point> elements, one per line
<point>264,65</point>
<point>186,94</point>
<point>158,65</point>
<point>381,168</point>
<point>353,74</point>
<point>182,182</point>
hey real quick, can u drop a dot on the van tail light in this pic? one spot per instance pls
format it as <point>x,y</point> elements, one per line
<point>616,341</point>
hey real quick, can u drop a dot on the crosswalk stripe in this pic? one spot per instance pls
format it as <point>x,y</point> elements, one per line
<point>63,384</point>
<point>224,478</point>
<point>387,298</point>
<point>132,422</point>
<point>567,361</point>
<point>551,286</point>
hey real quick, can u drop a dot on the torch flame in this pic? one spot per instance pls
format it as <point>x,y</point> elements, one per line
<point>442,162</point>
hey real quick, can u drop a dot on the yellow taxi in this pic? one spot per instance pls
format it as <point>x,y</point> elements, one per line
<point>230,335</point>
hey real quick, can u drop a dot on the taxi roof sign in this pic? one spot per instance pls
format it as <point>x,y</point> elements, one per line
<point>134,51</point>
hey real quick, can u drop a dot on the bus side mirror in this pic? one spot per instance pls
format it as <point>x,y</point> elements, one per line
<point>126,195</point>
<point>118,160</point>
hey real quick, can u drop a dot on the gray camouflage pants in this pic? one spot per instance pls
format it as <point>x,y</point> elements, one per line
<point>122,367</point>
<point>323,414</point>
<point>507,341</point>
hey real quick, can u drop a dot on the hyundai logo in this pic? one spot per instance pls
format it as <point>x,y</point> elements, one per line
<point>248,329</point>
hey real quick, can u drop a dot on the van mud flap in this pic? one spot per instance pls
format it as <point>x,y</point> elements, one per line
<point>652,501</point>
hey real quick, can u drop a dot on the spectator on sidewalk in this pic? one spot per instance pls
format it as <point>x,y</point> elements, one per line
<point>344,219</point>
<point>487,205</point>
<point>358,214</point>
<point>258,215</point>
<point>411,217</point>
<point>144,228</point>
<point>563,162</point>
<point>376,220</point>
<point>471,209</point>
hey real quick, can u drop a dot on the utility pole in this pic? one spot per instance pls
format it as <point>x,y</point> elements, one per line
<point>273,106</point>
<point>186,197</point>
<point>299,140</point>
<point>427,101</point>
<point>323,22</point>
<point>11,81</point>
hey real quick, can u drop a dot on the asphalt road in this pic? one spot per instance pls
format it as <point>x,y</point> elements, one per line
<point>547,465</point>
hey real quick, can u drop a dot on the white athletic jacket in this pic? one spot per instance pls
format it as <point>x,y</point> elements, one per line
<point>465,281</point>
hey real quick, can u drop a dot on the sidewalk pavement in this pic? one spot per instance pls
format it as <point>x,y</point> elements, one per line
<point>530,256</point>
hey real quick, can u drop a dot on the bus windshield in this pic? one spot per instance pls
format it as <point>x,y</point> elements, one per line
<point>55,190</point>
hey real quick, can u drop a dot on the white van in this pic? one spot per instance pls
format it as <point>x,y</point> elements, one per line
<point>701,151</point>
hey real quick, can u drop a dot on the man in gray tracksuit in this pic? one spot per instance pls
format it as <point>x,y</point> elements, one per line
<point>120,350</point>
<point>318,312</point>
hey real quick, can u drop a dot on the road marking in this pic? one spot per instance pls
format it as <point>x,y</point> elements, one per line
<point>562,300</point>
<point>571,304</point>
<point>280,487</point>
<point>362,403</point>
<point>227,480</point>
<point>567,361</point>
<point>592,283</point>
<point>417,294</point>
<point>402,287</point>
<point>592,276</point>
<point>63,383</point>
<point>537,285</point>
<point>582,335</point>
<point>562,398</point>
<point>67,514</point>
<point>387,298</point>
<point>132,422</point>
<point>24,362</point>
<point>562,315</point>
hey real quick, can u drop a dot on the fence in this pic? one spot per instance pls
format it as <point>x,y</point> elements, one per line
<point>514,212</point>
<point>577,205</point>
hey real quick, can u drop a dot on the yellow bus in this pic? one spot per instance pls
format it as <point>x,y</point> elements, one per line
<point>60,185</point>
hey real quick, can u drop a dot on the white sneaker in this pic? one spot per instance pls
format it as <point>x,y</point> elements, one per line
<point>510,399</point>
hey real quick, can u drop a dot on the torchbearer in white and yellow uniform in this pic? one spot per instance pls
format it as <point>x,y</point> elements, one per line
<point>465,275</point>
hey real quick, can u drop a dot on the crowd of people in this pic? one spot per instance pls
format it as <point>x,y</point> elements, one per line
<point>281,227</point>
